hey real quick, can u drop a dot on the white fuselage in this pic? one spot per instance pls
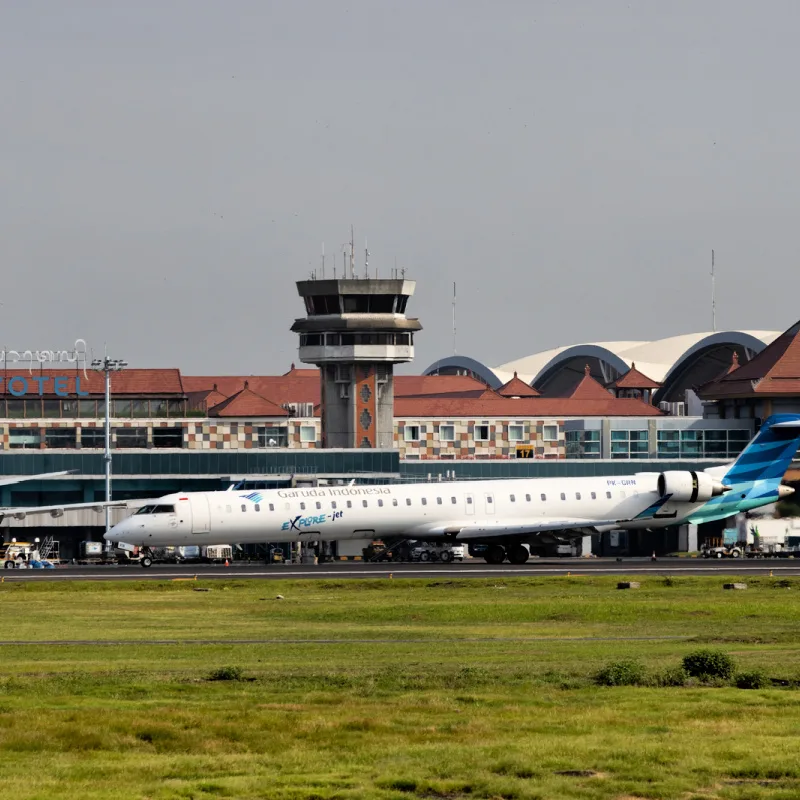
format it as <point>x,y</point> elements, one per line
<point>426,510</point>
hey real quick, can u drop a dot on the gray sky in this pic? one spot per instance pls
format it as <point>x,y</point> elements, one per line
<point>169,169</point>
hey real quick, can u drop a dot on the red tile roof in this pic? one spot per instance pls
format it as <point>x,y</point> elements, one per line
<point>517,388</point>
<point>633,379</point>
<point>246,403</point>
<point>538,407</point>
<point>436,385</point>
<point>279,389</point>
<point>774,371</point>
<point>587,388</point>
<point>139,382</point>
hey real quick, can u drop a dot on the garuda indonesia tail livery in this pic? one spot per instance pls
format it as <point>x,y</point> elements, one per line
<point>506,515</point>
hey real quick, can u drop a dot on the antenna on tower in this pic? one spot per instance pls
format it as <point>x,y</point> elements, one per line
<point>713,298</point>
<point>454,317</point>
<point>352,254</point>
<point>366,259</point>
<point>323,261</point>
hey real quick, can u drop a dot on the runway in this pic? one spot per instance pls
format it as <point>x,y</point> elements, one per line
<point>355,570</point>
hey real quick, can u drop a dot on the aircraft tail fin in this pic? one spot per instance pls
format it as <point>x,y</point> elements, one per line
<point>768,455</point>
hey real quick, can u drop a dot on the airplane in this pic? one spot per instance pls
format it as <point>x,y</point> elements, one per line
<point>506,515</point>
<point>20,512</point>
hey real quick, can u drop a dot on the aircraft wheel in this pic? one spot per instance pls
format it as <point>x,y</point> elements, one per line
<point>8,565</point>
<point>146,562</point>
<point>518,554</point>
<point>718,554</point>
<point>495,554</point>
<point>735,554</point>
<point>446,557</point>
<point>424,556</point>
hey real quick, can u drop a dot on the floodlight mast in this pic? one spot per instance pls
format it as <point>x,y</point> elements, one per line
<point>108,365</point>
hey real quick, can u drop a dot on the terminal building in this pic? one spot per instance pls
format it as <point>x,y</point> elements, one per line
<point>344,415</point>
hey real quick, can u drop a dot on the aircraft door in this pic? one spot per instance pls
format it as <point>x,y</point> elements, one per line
<point>489,502</point>
<point>201,513</point>
<point>469,503</point>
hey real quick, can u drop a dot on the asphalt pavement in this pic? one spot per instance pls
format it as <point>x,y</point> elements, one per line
<point>354,569</point>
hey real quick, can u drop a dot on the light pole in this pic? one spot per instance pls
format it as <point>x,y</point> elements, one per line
<point>107,366</point>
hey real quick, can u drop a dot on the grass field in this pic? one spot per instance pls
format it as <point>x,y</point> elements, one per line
<point>394,689</point>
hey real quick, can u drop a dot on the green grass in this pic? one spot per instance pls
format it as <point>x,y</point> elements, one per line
<point>394,689</point>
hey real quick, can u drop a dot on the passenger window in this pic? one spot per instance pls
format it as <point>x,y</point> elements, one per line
<point>394,501</point>
<point>528,497</point>
<point>244,508</point>
<point>453,500</point>
<point>302,506</point>
<point>608,495</point>
<point>577,495</point>
<point>469,500</point>
<point>563,496</point>
<point>424,501</point>
<point>333,505</point>
<point>408,501</point>
<point>364,503</point>
<point>438,501</point>
<point>489,499</point>
<point>380,503</point>
<point>513,499</point>
<point>319,505</point>
<point>544,497</point>
<point>271,507</point>
<point>594,495</point>
<point>258,507</point>
<point>349,503</point>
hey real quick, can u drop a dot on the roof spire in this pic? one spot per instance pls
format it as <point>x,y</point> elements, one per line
<point>587,370</point>
<point>735,359</point>
<point>247,384</point>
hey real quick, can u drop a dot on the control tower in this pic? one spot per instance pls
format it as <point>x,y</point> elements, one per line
<point>355,330</point>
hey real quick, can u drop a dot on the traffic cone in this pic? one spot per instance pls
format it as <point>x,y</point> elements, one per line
<point>226,563</point>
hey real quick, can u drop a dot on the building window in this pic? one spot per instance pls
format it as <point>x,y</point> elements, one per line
<point>629,444</point>
<point>273,436</point>
<point>60,437</point>
<point>24,438</point>
<point>411,433</point>
<point>93,437</point>
<point>51,409</point>
<point>447,433</point>
<point>131,437</point>
<point>583,444</point>
<point>482,433</point>
<point>168,437</point>
<point>87,408</point>
<point>308,433</point>
<point>550,433</point>
<point>516,433</point>
<point>120,408</point>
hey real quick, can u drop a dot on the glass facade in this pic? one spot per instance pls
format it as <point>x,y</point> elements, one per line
<point>629,444</point>
<point>70,408</point>
<point>583,444</point>
<point>722,444</point>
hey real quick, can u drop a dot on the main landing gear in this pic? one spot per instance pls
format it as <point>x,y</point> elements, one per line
<point>146,559</point>
<point>515,553</point>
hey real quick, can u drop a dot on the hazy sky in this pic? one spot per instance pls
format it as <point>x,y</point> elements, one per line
<point>169,169</point>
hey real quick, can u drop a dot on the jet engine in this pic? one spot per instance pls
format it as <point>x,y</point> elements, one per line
<point>689,487</point>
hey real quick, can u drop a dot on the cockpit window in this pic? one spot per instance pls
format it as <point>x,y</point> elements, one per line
<point>156,510</point>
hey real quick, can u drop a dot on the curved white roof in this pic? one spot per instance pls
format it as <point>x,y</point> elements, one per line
<point>655,359</point>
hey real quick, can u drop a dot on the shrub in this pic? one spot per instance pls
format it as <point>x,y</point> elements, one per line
<point>621,673</point>
<point>226,674</point>
<point>709,664</point>
<point>672,676</point>
<point>755,679</point>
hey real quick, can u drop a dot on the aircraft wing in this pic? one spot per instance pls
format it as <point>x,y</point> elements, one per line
<point>465,533</point>
<point>20,512</point>
<point>7,480</point>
